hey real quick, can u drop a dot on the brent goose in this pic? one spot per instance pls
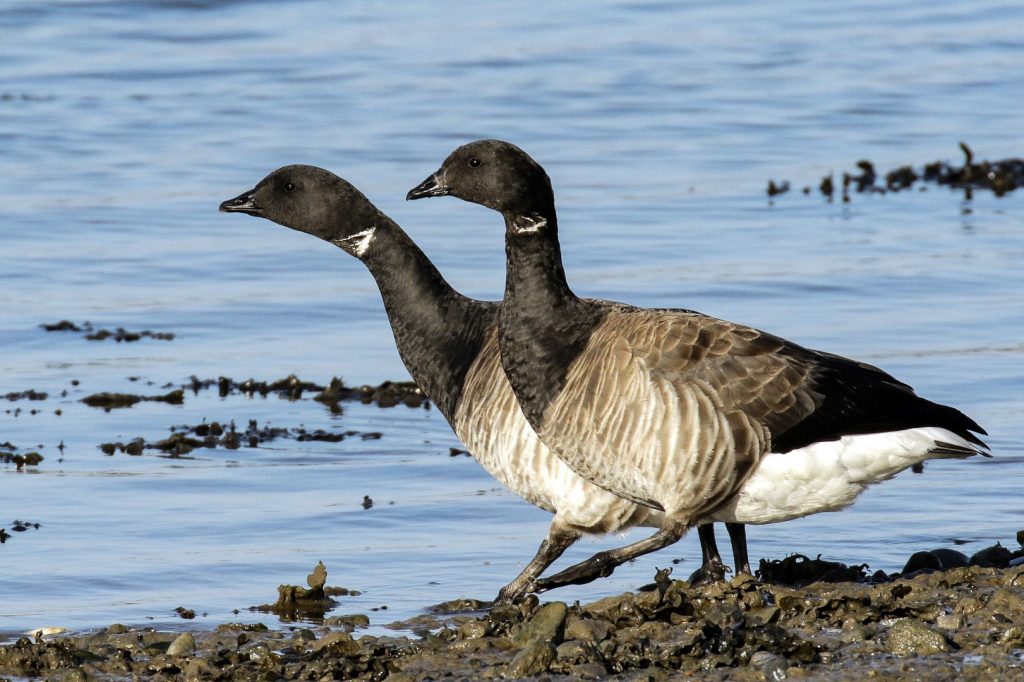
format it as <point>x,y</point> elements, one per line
<point>448,342</point>
<point>695,416</point>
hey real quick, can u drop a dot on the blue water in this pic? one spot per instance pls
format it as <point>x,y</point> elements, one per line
<point>124,124</point>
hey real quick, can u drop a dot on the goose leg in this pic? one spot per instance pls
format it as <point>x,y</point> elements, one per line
<point>738,538</point>
<point>558,540</point>
<point>604,563</point>
<point>712,568</point>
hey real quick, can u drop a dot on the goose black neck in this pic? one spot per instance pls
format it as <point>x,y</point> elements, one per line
<point>534,270</point>
<point>544,326</point>
<point>438,331</point>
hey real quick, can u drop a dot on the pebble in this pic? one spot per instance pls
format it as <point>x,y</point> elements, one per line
<point>183,645</point>
<point>855,633</point>
<point>338,643</point>
<point>474,629</point>
<point>773,666</point>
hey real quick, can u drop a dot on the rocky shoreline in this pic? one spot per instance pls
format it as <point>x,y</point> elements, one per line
<point>965,622</point>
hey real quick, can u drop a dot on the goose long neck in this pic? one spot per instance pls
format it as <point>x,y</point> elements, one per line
<point>438,331</point>
<point>543,325</point>
<point>534,271</point>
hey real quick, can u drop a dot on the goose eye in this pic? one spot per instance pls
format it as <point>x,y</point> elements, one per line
<point>289,187</point>
<point>474,162</point>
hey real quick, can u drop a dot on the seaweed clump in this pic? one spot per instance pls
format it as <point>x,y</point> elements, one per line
<point>120,334</point>
<point>999,177</point>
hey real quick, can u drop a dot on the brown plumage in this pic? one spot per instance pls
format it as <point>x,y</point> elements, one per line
<point>673,409</point>
<point>449,345</point>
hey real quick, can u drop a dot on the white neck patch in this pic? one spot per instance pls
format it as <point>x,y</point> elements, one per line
<point>357,244</point>
<point>529,224</point>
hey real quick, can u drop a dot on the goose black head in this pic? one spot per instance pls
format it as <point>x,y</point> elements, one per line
<point>495,174</point>
<point>314,201</point>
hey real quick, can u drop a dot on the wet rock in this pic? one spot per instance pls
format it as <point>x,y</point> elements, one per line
<point>589,671</point>
<point>20,461</point>
<point>62,326</point>
<point>995,556</point>
<point>111,401</point>
<point>763,616</point>
<point>532,660</point>
<point>19,526</point>
<point>826,187</point>
<point>546,625</point>
<point>855,633</point>
<point>201,669</point>
<point>183,645</point>
<point>800,570</point>
<point>1008,601</point>
<point>461,605</point>
<point>772,666</point>
<point>588,630</point>
<point>295,602</point>
<point>941,559</point>
<point>74,675</point>
<point>474,629</point>
<point>574,651</point>
<point>911,637</point>
<point>350,622</point>
<point>900,178</point>
<point>336,643</point>
<point>1012,636</point>
<point>26,395</point>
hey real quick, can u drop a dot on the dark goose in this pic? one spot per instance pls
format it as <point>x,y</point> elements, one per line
<point>449,344</point>
<point>701,418</point>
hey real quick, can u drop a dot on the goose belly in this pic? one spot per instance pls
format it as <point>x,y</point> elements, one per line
<point>489,421</point>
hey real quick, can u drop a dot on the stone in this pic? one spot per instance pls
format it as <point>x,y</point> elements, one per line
<point>532,660</point>
<point>546,625</point>
<point>589,671</point>
<point>474,629</point>
<point>772,666</point>
<point>1007,600</point>
<point>337,643</point>
<point>587,630</point>
<point>908,637</point>
<point>183,645</point>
